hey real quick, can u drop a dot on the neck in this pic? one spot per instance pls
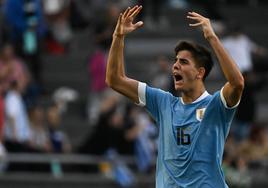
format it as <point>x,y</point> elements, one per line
<point>191,95</point>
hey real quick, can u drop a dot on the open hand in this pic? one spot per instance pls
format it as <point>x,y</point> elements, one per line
<point>203,22</point>
<point>125,23</point>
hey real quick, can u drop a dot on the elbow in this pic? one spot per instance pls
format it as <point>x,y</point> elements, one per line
<point>109,82</point>
<point>109,79</point>
<point>112,81</point>
<point>240,83</point>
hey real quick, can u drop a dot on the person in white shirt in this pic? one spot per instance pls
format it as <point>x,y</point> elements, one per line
<point>17,132</point>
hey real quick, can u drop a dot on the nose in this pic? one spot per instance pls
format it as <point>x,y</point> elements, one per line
<point>176,66</point>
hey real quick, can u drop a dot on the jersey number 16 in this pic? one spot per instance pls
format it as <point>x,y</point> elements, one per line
<point>182,137</point>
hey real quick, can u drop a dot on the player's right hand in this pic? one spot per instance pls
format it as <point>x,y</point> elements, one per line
<point>125,23</point>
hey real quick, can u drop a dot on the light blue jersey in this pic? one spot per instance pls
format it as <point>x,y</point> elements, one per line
<point>191,138</point>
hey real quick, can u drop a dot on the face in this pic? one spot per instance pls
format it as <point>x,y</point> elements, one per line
<point>185,73</point>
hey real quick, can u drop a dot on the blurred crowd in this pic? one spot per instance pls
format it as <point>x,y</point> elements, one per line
<point>26,31</point>
<point>30,28</point>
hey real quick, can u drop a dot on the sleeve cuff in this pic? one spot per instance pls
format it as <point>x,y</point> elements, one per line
<point>225,103</point>
<point>142,94</point>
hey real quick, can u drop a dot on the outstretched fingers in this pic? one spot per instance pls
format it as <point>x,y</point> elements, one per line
<point>132,13</point>
<point>120,18</point>
<point>195,14</point>
<point>132,10</point>
<point>125,23</point>
<point>196,17</point>
<point>126,12</point>
<point>202,21</point>
<point>136,11</point>
<point>196,24</point>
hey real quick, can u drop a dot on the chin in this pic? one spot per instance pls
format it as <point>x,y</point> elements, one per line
<point>178,88</point>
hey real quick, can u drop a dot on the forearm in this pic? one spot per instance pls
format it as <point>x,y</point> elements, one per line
<point>228,66</point>
<point>115,64</point>
<point>115,71</point>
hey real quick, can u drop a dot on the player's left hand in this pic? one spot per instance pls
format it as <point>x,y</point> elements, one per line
<point>203,22</point>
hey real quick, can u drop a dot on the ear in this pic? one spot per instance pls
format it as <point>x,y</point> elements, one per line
<point>201,73</point>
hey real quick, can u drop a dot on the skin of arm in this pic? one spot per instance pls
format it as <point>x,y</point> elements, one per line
<point>234,86</point>
<point>115,71</point>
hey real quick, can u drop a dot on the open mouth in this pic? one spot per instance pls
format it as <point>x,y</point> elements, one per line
<point>178,77</point>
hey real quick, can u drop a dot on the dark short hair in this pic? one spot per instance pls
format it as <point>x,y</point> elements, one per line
<point>201,55</point>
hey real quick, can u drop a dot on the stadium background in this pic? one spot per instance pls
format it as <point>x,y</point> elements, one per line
<point>65,54</point>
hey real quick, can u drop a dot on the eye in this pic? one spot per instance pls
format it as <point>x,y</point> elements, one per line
<point>183,61</point>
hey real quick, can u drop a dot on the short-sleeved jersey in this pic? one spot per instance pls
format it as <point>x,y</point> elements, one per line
<point>191,138</point>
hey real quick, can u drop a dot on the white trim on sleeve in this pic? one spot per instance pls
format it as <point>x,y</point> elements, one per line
<point>142,94</point>
<point>224,101</point>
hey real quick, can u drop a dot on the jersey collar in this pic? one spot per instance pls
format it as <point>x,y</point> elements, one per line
<point>204,95</point>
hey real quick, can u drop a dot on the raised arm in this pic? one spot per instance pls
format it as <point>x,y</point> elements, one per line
<point>115,72</point>
<point>234,86</point>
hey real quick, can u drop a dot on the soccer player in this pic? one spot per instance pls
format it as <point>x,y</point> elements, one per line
<point>193,128</point>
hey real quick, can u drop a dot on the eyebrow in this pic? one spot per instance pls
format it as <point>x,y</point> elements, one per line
<point>182,59</point>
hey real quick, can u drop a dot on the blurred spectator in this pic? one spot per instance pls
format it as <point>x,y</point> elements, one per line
<point>110,131</point>
<point>97,61</point>
<point>39,135</point>
<point>247,110</point>
<point>12,69</point>
<point>59,140</point>
<point>235,165</point>
<point>17,127</point>
<point>241,48</point>
<point>27,29</point>
<point>234,176</point>
<point>57,13</point>
<point>256,147</point>
<point>96,69</point>
<point>143,132</point>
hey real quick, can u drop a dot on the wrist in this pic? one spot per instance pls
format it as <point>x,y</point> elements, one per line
<point>118,35</point>
<point>212,38</point>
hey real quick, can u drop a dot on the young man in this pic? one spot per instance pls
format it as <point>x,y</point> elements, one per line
<point>193,128</point>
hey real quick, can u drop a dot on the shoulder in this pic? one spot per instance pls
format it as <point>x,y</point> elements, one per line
<point>147,93</point>
<point>159,93</point>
